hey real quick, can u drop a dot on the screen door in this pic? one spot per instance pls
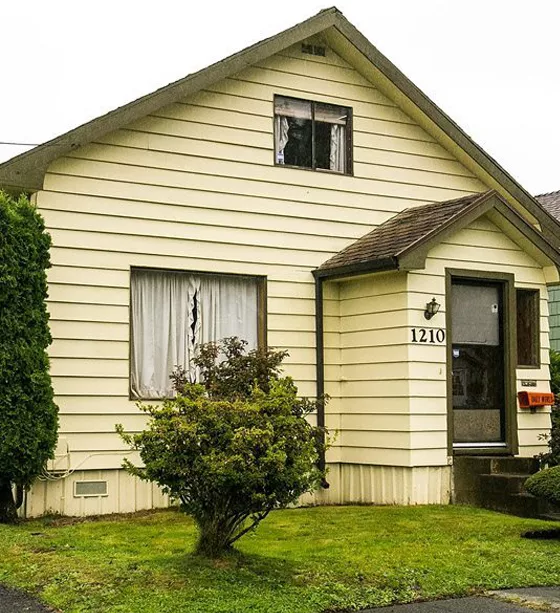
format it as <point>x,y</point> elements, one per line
<point>477,364</point>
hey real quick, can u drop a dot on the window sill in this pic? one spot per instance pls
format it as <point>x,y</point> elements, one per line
<point>318,170</point>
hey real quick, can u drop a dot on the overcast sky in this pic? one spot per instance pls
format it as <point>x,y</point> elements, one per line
<point>492,65</point>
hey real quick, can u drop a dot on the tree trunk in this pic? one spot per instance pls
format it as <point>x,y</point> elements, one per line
<point>8,512</point>
<point>214,539</point>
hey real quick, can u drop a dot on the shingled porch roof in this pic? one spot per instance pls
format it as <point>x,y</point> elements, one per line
<point>551,203</point>
<point>403,242</point>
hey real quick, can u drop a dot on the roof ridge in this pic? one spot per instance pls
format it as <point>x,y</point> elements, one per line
<point>470,202</point>
<point>547,194</point>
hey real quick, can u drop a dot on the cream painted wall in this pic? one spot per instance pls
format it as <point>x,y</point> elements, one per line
<point>194,187</point>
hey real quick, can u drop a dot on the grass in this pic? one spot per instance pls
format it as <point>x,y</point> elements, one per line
<point>305,560</point>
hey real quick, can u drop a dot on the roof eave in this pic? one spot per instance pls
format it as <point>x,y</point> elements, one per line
<point>359,268</point>
<point>27,170</point>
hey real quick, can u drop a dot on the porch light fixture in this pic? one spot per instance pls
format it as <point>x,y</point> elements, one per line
<point>432,308</point>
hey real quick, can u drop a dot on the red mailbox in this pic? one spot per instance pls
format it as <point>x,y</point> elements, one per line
<point>528,400</point>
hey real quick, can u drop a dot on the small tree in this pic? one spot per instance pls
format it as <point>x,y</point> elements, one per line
<point>233,449</point>
<point>28,415</point>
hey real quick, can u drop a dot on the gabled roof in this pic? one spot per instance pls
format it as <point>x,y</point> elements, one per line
<point>27,170</point>
<point>403,242</point>
<point>551,202</point>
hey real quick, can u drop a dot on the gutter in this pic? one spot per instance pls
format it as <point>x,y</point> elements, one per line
<point>320,372</point>
<point>320,275</point>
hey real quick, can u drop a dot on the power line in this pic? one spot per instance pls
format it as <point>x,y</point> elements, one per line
<point>19,144</point>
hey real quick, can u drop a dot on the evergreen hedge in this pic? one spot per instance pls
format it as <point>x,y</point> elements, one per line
<point>28,414</point>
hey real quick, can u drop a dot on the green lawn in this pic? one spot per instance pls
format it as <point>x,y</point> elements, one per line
<point>299,561</point>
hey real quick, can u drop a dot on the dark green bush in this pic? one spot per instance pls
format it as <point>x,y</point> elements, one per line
<point>28,415</point>
<point>552,456</point>
<point>233,449</point>
<point>545,484</point>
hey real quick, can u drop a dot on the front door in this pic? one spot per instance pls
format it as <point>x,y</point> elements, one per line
<point>478,365</point>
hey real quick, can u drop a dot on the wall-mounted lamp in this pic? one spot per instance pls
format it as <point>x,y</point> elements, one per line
<point>432,308</point>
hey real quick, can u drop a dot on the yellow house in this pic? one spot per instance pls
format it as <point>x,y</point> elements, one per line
<point>305,194</point>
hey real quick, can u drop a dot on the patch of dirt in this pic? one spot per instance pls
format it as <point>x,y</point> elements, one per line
<point>67,520</point>
<point>550,534</point>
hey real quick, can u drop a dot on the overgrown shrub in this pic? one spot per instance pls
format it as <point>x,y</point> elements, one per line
<point>232,449</point>
<point>545,484</point>
<point>28,415</point>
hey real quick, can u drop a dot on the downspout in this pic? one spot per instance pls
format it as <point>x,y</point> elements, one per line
<point>320,371</point>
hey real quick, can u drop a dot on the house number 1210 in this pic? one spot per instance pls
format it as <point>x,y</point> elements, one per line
<point>423,335</point>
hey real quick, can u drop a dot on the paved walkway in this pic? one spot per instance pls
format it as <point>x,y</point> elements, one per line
<point>14,601</point>
<point>501,601</point>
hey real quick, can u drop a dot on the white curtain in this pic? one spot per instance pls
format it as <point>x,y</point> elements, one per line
<point>338,148</point>
<point>228,307</point>
<point>281,136</point>
<point>173,313</point>
<point>163,311</point>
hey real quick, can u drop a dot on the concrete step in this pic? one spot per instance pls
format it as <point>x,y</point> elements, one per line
<point>484,465</point>
<point>514,465</point>
<point>497,483</point>
<point>522,505</point>
<point>505,483</point>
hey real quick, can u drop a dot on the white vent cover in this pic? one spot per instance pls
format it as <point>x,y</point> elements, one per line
<point>90,488</point>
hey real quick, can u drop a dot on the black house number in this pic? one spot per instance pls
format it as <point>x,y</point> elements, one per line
<point>423,335</point>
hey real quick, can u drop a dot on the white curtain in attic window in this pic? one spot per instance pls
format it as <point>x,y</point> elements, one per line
<point>337,157</point>
<point>173,313</point>
<point>281,135</point>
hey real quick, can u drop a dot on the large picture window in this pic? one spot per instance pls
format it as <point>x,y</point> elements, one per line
<point>312,135</point>
<point>528,314</point>
<point>173,312</point>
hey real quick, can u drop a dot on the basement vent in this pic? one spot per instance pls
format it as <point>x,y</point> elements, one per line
<point>313,49</point>
<point>90,488</point>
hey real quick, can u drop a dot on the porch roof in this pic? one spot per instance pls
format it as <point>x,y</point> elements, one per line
<point>403,242</point>
<point>551,202</point>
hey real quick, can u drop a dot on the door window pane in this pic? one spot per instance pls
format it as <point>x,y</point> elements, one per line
<point>477,363</point>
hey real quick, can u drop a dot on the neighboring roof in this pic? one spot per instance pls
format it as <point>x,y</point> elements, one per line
<point>551,202</point>
<point>403,242</point>
<point>27,171</point>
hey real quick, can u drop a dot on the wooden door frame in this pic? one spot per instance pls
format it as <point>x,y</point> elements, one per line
<point>507,282</point>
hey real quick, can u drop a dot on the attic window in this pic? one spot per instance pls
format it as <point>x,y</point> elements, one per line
<point>313,49</point>
<point>312,135</point>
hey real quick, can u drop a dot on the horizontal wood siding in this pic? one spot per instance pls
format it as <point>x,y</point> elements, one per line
<point>193,187</point>
<point>374,386</point>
